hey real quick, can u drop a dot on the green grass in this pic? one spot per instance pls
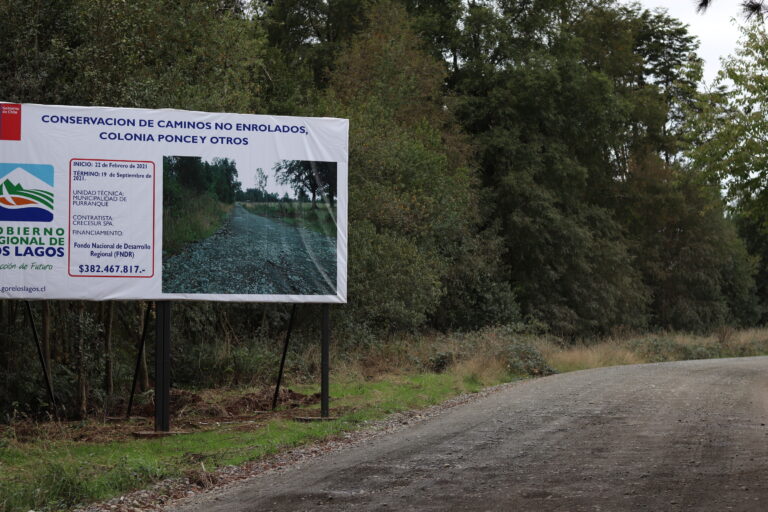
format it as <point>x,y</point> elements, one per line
<point>57,475</point>
<point>320,219</point>
<point>193,218</point>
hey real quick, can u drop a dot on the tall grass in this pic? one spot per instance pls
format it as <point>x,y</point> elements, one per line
<point>191,218</point>
<point>653,348</point>
<point>584,356</point>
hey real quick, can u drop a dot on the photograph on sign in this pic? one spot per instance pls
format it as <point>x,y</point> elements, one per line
<point>281,237</point>
<point>104,203</point>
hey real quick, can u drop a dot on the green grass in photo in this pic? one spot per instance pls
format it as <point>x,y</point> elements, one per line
<point>321,219</point>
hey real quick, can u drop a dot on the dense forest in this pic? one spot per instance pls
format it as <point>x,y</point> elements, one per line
<point>555,163</point>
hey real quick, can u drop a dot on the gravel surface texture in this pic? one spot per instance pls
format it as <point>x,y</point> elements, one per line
<point>673,436</point>
<point>175,491</point>
<point>255,255</point>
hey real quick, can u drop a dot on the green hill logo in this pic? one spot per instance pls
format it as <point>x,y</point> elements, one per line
<point>26,192</point>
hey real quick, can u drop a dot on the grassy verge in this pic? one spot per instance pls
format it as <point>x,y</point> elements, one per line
<point>370,381</point>
<point>192,218</point>
<point>320,219</point>
<point>57,475</point>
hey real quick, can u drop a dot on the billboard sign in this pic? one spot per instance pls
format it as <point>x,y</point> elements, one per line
<point>104,203</point>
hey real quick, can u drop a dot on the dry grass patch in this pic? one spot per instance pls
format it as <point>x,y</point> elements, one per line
<point>651,348</point>
<point>484,370</point>
<point>582,356</point>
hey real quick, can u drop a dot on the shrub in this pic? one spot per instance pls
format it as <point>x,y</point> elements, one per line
<point>655,349</point>
<point>520,358</point>
<point>213,364</point>
<point>440,362</point>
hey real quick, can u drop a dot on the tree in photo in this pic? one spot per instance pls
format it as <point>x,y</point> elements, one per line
<point>261,180</point>
<point>312,178</point>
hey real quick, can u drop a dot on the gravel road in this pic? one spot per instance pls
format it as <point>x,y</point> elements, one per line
<point>673,436</point>
<point>255,255</point>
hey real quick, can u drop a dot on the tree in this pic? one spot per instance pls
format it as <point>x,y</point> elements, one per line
<point>730,127</point>
<point>751,7</point>
<point>550,110</point>
<point>76,52</point>
<point>261,180</point>
<point>313,31</point>
<point>222,179</point>
<point>730,139</point>
<point>310,177</point>
<point>687,249</point>
<point>418,248</point>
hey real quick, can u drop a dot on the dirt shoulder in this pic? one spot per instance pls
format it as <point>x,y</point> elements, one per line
<point>673,436</point>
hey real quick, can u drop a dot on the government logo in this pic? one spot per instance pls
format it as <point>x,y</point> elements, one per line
<point>26,192</point>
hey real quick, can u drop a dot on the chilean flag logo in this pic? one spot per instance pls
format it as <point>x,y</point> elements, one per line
<point>10,121</point>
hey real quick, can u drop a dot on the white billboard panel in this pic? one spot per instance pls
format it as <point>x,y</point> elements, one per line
<point>104,203</point>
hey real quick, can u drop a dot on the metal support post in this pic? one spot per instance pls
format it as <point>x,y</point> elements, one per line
<point>163,367</point>
<point>282,359</point>
<point>325,362</point>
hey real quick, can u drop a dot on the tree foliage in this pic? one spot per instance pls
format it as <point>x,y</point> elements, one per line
<point>413,191</point>
<point>751,7</point>
<point>308,177</point>
<point>134,54</point>
<point>545,160</point>
<point>730,134</point>
<point>217,177</point>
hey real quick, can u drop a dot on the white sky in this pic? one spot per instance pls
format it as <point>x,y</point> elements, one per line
<point>716,32</point>
<point>247,177</point>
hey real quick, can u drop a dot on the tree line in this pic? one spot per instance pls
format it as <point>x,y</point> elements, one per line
<point>217,178</point>
<point>555,162</point>
<point>309,180</point>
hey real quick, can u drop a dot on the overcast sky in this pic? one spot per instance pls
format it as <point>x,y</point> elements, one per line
<point>247,178</point>
<point>716,33</point>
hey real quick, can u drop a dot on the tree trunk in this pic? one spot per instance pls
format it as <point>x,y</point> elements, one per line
<point>109,386</point>
<point>66,335</point>
<point>47,335</point>
<point>5,341</point>
<point>264,326</point>
<point>10,327</point>
<point>143,373</point>
<point>82,387</point>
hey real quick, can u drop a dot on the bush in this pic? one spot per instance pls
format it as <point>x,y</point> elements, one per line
<point>214,364</point>
<point>520,358</point>
<point>393,283</point>
<point>700,352</point>
<point>656,349</point>
<point>440,362</point>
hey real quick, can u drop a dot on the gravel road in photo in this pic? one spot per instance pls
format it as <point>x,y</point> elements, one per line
<point>671,436</point>
<point>252,254</point>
